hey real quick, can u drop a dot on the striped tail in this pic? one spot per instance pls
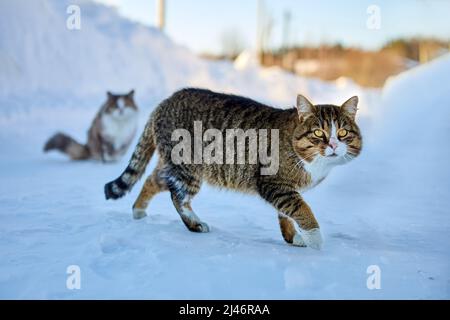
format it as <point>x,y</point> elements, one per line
<point>141,157</point>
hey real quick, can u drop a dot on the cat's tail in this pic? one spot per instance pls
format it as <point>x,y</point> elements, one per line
<point>67,145</point>
<point>136,167</point>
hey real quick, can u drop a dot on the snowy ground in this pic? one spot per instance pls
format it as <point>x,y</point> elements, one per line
<point>388,208</point>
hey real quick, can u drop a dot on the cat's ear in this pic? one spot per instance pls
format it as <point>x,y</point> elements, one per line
<point>304,107</point>
<point>351,106</point>
<point>109,95</point>
<point>131,94</point>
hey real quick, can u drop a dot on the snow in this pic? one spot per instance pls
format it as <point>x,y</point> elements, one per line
<point>387,208</point>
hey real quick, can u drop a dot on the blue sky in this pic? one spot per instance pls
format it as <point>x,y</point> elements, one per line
<point>199,24</point>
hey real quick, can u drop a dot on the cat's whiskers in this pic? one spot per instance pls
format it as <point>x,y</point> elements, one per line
<point>348,157</point>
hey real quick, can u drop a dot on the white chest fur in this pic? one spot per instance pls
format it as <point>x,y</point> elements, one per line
<point>318,169</point>
<point>119,129</point>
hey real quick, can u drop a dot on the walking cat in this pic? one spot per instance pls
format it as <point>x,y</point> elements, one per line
<point>110,134</point>
<point>312,140</point>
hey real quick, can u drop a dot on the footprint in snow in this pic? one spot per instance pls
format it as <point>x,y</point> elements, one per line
<point>344,236</point>
<point>111,244</point>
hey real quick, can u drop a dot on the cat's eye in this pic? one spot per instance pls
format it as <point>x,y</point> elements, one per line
<point>318,133</point>
<point>342,133</point>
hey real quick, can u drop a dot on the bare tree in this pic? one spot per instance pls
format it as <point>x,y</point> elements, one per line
<point>264,29</point>
<point>286,37</point>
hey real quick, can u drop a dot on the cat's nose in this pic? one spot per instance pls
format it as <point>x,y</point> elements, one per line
<point>333,143</point>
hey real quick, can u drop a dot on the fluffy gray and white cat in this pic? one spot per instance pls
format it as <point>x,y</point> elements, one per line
<point>110,134</point>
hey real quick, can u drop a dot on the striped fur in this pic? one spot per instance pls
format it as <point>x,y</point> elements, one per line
<point>299,149</point>
<point>136,166</point>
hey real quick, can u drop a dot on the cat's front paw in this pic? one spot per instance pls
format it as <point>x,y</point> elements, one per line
<point>139,213</point>
<point>201,227</point>
<point>313,238</point>
<point>298,241</point>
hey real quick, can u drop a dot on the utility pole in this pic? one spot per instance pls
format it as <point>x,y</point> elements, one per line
<point>161,14</point>
<point>260,30</point>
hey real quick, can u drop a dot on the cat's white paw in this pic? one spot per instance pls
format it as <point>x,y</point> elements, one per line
<point>298,241</point>
<point>313,238</point>
<point>139,213</point>
<point>202,227</point>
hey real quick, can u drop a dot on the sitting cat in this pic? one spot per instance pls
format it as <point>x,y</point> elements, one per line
<point>312,140</point>
<point>110,135</point>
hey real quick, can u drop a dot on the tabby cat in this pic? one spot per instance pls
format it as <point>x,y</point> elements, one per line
<point>110,134</point>
<point>312,140</point>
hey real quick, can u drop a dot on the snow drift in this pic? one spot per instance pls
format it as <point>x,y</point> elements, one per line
<point>43,62</point>
<point>411,129</point>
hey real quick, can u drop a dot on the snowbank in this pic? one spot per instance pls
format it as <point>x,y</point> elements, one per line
<point>412,126</point>
<point>44,63</point>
